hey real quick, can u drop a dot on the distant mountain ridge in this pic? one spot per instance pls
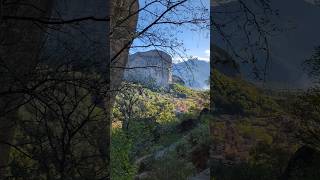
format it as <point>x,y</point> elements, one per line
<point>195,73</point>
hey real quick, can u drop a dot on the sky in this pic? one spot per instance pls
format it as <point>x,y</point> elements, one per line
<point>289,47</point>
<point>196,42</point>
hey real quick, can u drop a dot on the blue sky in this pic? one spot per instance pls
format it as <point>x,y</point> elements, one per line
<point>196,41</point>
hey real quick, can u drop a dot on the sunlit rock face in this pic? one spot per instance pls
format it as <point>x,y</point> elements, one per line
<point>151,68</point>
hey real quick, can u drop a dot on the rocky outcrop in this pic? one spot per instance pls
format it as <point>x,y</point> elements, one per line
<point>88,40</point>
<point>100,44</point>
<point>123,31</point>
<point>151,68</point>
<point>19,50</point>
<point>178,80</point>
<point>304,164</point>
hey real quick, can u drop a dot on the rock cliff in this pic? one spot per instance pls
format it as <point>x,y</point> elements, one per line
<point>151,68</point>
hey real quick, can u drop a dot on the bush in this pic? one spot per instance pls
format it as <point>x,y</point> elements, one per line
<point>122,167</point>
<point>235,96</point>
<point>266,163</point>
<point>307,109</point>
<point>172,167</point>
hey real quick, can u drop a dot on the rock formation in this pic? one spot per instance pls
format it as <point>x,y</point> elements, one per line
<point>304,164</point>
<point>90,40</point>
<point>152,68</point>
<point>178,80</point>
<point>19,50</point>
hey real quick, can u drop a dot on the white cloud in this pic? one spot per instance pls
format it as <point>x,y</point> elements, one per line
<point>176,60</point>
<point>207,52</point>
<point>203,58</point>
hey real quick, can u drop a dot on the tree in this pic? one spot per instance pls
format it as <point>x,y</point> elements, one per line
<point>249,44</point>
<point>312,65</point>
<point>127,100</point>
<point>72,131</point>
<point>307,105</point>
<point>24,26</point>
<point>306,108</point>
<point>20,45</point>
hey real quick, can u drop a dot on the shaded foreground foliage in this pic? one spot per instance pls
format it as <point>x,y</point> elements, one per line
<point>236,96</point>
<point>257,136</point>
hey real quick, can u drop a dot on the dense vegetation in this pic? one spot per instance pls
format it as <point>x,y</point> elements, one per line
<point>146,126</point>
<point>236,96</point>
<point>253,134</point>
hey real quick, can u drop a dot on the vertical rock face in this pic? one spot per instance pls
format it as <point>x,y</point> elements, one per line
<point>84,42</point>
<point>89,41</point>
<point>19,50</point>
<point>178,80</point>
<point>124,18</point>
<point>93,43</point>
<point>97,45</point>
<point>151,68</point>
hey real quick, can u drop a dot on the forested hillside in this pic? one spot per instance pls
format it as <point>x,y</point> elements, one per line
<point>252,134</point>
<point>155,131</point>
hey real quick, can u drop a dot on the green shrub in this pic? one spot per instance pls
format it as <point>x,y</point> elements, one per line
<point>307,110</point>
<point>183,89</point>
<point>235,96</point>
<point>122,167</point>
<point>259,133</point>
<point>267,162</point>
<point>172,167</point>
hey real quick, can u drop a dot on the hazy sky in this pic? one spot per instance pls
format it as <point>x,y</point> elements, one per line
<point>196,42</point>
